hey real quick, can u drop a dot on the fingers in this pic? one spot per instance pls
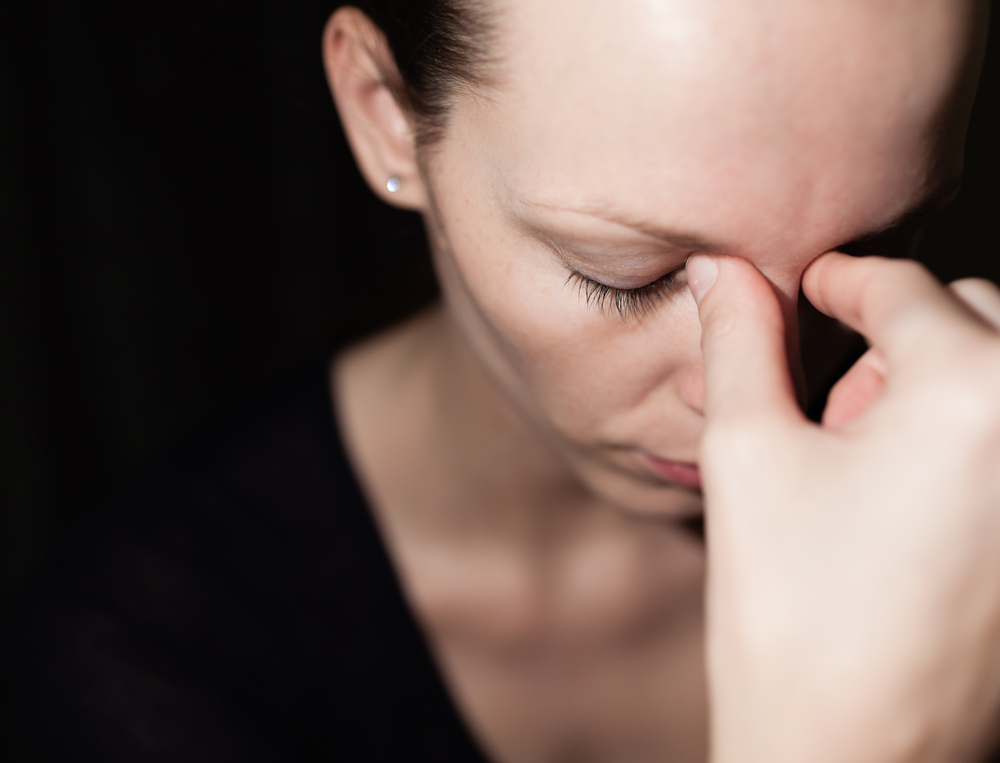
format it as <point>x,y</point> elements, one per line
<point>980,296</point>
<point>854,393</point>
<point>742,339</point>
<point>896,304</point>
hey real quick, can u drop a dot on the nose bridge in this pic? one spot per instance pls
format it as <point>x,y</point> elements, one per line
<point>784,265</point>
<point>792,222</point>
<point>785,276</point>
<point>784,273</point>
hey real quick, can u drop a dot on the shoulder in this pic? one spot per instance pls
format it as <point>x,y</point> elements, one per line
<point>187,611</point>
<point>237,605</point>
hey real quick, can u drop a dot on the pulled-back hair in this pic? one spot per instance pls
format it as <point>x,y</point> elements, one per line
<point>440,48</point>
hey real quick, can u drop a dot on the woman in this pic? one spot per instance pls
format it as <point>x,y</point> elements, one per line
<point>622,201</point>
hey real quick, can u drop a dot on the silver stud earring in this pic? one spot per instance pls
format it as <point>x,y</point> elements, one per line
<point>393,184</point>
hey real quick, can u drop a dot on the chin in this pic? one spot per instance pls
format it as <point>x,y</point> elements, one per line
<point>622,479</point>
<point>643,496</point>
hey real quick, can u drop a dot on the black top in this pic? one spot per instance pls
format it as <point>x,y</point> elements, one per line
<point>240,606</point>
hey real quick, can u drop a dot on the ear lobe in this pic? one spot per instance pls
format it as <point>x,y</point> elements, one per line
<point>356,58</point>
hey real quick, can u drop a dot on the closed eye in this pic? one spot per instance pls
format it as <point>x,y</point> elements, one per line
<point>626,303</point>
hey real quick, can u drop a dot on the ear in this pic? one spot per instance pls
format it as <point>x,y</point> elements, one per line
<point>357,61</point>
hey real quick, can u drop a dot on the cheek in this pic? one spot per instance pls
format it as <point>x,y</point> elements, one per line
<point>582,371</point>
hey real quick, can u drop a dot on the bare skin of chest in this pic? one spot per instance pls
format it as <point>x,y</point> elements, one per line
<point>630,697</point>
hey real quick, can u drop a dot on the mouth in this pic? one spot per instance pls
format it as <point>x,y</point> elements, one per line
<point>680,474</point>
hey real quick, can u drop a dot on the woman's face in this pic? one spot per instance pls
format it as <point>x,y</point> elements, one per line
<point>622,137</point>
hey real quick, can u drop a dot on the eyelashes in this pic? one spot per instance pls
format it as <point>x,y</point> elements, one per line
<point>626,303</point>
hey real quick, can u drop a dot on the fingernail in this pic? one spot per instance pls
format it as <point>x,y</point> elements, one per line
<point>702,270</point>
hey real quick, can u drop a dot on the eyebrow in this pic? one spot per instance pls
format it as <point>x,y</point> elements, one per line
<point>673,236</point>
<point>941,195</point>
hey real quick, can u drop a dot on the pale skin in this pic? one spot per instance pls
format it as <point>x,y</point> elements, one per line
<point>504,437</point>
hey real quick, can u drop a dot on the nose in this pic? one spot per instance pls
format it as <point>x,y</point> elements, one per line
<point>690,380</point>
<point>691,386</point>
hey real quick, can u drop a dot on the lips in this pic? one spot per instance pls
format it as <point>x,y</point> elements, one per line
<point>683,475</point>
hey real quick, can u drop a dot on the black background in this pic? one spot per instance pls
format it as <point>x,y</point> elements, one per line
<point>181,223</point>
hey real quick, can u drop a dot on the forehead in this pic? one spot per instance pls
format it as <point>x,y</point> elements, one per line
<point>749,122</point>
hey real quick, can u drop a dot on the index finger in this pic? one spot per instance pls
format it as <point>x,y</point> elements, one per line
<point>898,305</point>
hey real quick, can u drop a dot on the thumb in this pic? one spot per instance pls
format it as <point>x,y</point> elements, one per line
<point>742,340</point>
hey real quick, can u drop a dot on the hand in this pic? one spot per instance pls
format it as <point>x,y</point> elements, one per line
<point>854,566</point>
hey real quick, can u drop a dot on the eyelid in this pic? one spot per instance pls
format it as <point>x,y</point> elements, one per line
<point>631,284</point>
<point>574,258</point>
<point>628,303</point>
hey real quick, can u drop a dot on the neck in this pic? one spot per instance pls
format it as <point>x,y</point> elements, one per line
<point>503,459</point>
<point>466,489</point>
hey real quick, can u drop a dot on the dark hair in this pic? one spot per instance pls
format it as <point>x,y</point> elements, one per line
<point>440,48</point>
